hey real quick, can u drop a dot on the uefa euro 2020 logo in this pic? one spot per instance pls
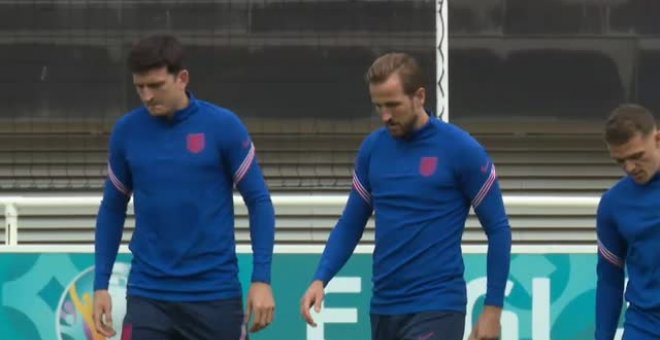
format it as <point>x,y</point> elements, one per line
<point>73,319</point>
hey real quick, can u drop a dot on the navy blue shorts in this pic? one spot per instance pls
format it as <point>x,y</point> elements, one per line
<point>418,326</point>
<point>148,319</point>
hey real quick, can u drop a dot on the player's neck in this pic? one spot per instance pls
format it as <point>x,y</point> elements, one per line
<point>182,103</point>
<point>422,119</point>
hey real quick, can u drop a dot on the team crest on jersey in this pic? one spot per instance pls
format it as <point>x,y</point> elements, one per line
<point>428,165</point>
<point>195,142</point>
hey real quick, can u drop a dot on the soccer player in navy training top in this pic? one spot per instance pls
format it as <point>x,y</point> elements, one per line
<point>420,175</point>
<point>628,228</point>
<point>180,157</point>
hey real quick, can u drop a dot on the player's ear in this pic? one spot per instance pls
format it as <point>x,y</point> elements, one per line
<point>183,77</point>
<point>420,95</point>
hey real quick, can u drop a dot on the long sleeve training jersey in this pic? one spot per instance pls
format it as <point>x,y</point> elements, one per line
<point>181,173</point>
<point>628,228</point>
<point>421,189</point>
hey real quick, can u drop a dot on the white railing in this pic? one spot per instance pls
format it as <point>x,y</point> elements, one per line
<point>12,205</point>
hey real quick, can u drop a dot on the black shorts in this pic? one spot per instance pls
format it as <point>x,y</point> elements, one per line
<point>148,319</point>
<point>418,326</point>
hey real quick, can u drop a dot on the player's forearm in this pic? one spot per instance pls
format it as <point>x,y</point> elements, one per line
<point>498,259</point>
<point>493,218</point>
<point>262,236</point>
<point>339,248</point>
<point>609,299</point>
<point>108,233</point>
<point>255,193</point>
<point>343,238</point>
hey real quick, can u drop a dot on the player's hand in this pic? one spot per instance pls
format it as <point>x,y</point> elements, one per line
<point>488,327</point>
<point>103,313</point>
<point>314,296</point>
<point>261,303</point>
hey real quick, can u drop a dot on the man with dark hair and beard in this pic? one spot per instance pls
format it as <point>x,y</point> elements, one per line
<point>421,176</point>
<point>180,158</point>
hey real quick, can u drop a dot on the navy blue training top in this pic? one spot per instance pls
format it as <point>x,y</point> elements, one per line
<point>181,173</point>
<point>421,189</point>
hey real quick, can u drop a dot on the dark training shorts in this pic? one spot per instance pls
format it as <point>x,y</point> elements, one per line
<point>418,326</point>
<point>148,319</point>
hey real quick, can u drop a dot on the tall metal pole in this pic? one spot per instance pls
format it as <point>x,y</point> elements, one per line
<point>442,59</point>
